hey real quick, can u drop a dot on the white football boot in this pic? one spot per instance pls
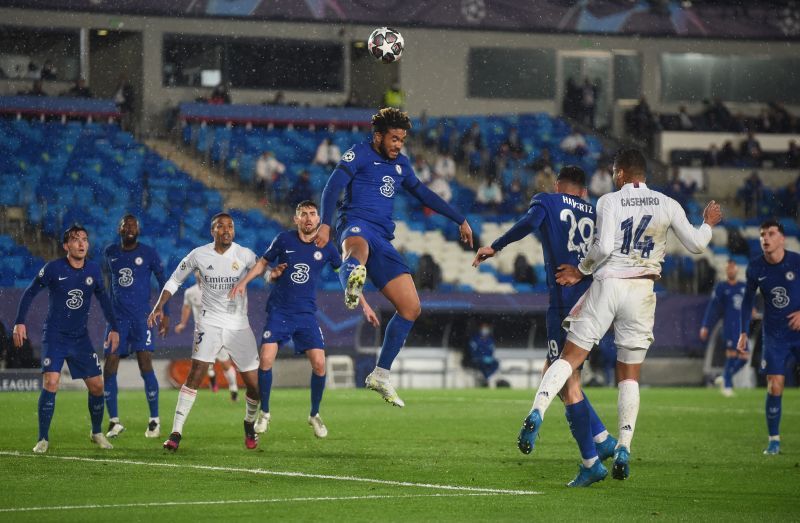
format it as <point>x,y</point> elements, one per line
<point>320,430</point>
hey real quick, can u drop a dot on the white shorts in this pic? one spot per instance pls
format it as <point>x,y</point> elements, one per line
<point>630,304</point>
<point>211,343</point>
<point>224,355</point>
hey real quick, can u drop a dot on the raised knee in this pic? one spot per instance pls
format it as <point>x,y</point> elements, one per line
<point>412,312</point>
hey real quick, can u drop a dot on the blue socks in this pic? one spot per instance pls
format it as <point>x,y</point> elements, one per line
<point>732,366</point>
<point>347,267</point>
<point>96,412</point>
<point>150,389</point>
<point>396,333</point>
<point>317,388</point>
<point>47,405</point>
<point>595,425</point>
<point>265,387</point>
<point>579,424</point>
<point>110,392</point>
<point>773,408</point>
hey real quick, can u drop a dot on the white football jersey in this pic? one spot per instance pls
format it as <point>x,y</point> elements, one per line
<point>193,297</point>
<point>219,274</point>
<point>631,233</point>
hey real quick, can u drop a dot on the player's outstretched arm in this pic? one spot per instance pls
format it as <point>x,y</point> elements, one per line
<point>794,320</point>
<point>695,240</point>
<point>112,340</point>
<point>433,201</point>
<point>275,272</point>
<point>241,286</point>
<point>336,183</point>
<point>20,334</point>
<point>523,227</point>
<point>186,311</point>
<point>369,314</point>
<point>741,345</point>
<point>158,311</point>
<point>483,254</point>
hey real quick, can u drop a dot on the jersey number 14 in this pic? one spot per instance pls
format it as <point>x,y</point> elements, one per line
<point>644,244</point>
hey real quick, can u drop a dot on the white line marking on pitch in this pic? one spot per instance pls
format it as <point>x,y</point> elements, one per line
<point>244,501</point>
<point>278,473</point>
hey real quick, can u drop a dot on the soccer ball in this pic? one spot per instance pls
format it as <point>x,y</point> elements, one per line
<point>386,44</point>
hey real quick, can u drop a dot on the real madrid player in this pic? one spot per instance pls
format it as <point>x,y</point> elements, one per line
<point>776,273</point>
<point>296,264</point>
<point>370,174</point>
<point>130,265</point>
<point>222,324</point>
<point>71,281</point>
<point>625,260</point>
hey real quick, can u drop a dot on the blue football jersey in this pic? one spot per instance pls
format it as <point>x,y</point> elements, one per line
<point>373,186</point>
<point>129,274</point>
<point>71,292</point>
<point>296,289</point>
<point>779,283</point>
<point>726,301</point>
<point>564,225</point>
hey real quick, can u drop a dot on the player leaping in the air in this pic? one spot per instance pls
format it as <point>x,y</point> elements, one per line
<point>71,281</point>
<point>564,223</point>
<point>129,266</point>
<point>371,173</point>
<point>296,266</point>
<point>222,324</point>
<point>777,275</point>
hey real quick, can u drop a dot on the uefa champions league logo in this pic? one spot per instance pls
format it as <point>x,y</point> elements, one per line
<point>267,334</point>
<point>349,156</point>
<point>387,189</point>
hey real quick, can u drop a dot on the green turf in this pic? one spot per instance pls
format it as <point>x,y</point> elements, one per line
<point>696,455</point>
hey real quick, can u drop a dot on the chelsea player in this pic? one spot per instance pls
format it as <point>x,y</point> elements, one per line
<point>370,174</point>
<point>777,275</point>
<point>291,306</point>
<point>71,281</point>
<point>564,223</point>
<point>129,266</point>
<point>726,301</point>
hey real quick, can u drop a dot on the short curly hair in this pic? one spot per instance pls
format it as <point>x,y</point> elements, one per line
<point>390,118</point>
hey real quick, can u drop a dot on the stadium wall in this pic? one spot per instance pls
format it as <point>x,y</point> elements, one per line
<point>433,71</point>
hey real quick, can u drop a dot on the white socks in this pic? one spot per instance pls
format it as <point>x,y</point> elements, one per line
<point>381,373</point>
<point>251,409</point>
<point>627,410</point>
<point>601,437</point>
<point>185,401</point>
<point>230,375</point>
<point>552,382</point>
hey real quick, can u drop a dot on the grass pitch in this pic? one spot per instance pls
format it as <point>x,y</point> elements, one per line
<point>448,456</point>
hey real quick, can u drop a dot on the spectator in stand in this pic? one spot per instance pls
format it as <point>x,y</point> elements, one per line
<point>679,190</point>
<point>328,154</point>
<point>542,161</point>
<point>422,169</point>
<point>481,350</point>
<point>643,121</point>
<point>49,71</point>
<point>514,202</point>
<point>268,172</point>
<point>571,105</point>
<point>220,95</point>
<point>34,73</point>
<point>513,143</point>
<point>36,90</point>
<point>441,188</point>
<point>685,120</point>
<point>793,155</point>
<point>602,182</point>
<point>589,93</point>
<point>764,121</point>
<point>786,200</point>
<point>475,162</point>
<point>123,98</point>
<point>301,191</point>
<point>718,117</point>
<point>80,89</point>
<point>752,194</point>
<point>523,271</point>
<point>712,157</point>
<point>545,181</point>
<point>471,141</point>
<point>278,99</point>
<point>727,156</point>
<point>750,150</point>
<point>394,97</point>
<point>428,275</point>
<point>445,166</point>
<point>781,118</point>
<point>489,195</point>
<point>500,161</point>
<point>574,144</point>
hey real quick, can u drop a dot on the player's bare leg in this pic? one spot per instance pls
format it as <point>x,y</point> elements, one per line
<point>250,379</point>
<point>269,352</point>
<point>96,409</point>
<point>145,360</point>
<point>317,359</point>
<point>353,273</point>
<point>186,398</point>
<point>110,367</point>
<point>627,410</point>
<point>402,293</point>
<point>775,385</point>
<point>229,371</point>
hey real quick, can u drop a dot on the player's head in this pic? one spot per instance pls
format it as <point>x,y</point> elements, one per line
<point>571,180</point>
<point>306,217</point>
<point>222,229</point>
<point>629,166</point>
<point>76,242</point>
<point>389,129</point>
<point>731,270</point>
<point>772,237</point>
<point>129,229</point>
<point>485,329</point>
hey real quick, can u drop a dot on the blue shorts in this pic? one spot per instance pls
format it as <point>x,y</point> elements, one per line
<point>384,263</point>
<point>775,357</point>
<point>78,353</point>
<point>134,336</point>
<point>301,328</point>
